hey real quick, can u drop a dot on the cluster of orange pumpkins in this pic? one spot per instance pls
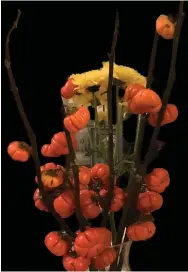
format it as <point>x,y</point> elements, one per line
<point>142,100</point>
<point>93,189</point>
<point>92,246</point>
<point>94,184</point>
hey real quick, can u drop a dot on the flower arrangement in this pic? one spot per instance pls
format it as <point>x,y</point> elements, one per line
<point>93,190</point>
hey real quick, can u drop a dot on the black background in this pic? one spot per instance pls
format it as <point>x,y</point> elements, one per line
<point>54,40</point>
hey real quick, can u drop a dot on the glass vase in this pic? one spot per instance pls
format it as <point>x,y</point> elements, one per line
<point>124,261</point>
<point>125,256</point>
<point>92,144</point>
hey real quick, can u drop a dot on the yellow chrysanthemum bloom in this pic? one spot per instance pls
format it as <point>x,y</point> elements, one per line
<point>126,74</point>
<point>100,78</point>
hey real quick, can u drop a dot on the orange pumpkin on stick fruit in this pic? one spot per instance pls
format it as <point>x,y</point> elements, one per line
<point>77,121</point>
<point>141,100</point>
<point>64,204</point>
<point>19,151</point>
<point>52,178</point>
<point>55,244</point>
<point>59,143</point>
<point>158,180</point>
<point>132,90</point>
<point>149,202</point>
<point>69,89</point>
<point>165,27</point>
<point>47,151</point>
<point>84,175</point>
<point>50,166</point>
<point>75,263</point>
<point>118,199</point>
<point>106,258</point>
<point>89,205</point>
<point>100,171</point>
<point>38,201</point>
<point>170,115</point>
<point>92,242</point>
<point>141,231</point>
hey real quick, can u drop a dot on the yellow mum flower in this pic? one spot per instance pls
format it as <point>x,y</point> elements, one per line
<point>100,77</point>
<point>126,74</point>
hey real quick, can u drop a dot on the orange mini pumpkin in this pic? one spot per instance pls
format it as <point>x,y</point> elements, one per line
<point>170,115</point>
<point>52,178</point>
<point>69,89</point>
<point>92,242</point>
<point>144,101</point>
<point>49,166</point>
<point>100,177</point>
<point>118,199</point>
<point>78,120</point>
<point>100,171</point>
<point>149,202</point>
<point>107,257</point>
<point>38,201</point>
<point>19,151</point>
<point>158,180</point>
<point>84,175</point>
<point>141,231</point>
<point>55,244</point>
<point>89,205</point>
<point>132,90</point>
<point>165,27</point>
<point>64,204</point>
<point>75,263</point>
<point>59,143</point>
<point>47,151</point>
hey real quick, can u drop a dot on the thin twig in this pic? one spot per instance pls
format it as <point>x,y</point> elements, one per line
<point>72,160</point>
<point>48,201</point>
<point>110,124</point>
<point>134,182</point>
<point>170,82</point>
<point>137,182</point>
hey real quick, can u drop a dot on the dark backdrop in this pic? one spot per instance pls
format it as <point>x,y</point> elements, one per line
<point>54,40</point>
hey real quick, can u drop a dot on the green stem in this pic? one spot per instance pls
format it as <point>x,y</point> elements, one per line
<point>119,132</point>
<point>91,145</point>
<point>97,126</point>
<point>113,227</point>
<point>116,149</point>
<point>92,268</point>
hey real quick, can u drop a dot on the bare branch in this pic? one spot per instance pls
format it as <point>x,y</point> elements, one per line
<point>71,158</point>
<point>135,180</point>
<point>110,125</point>
<point>170,82</point>
<point>48,201</point>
